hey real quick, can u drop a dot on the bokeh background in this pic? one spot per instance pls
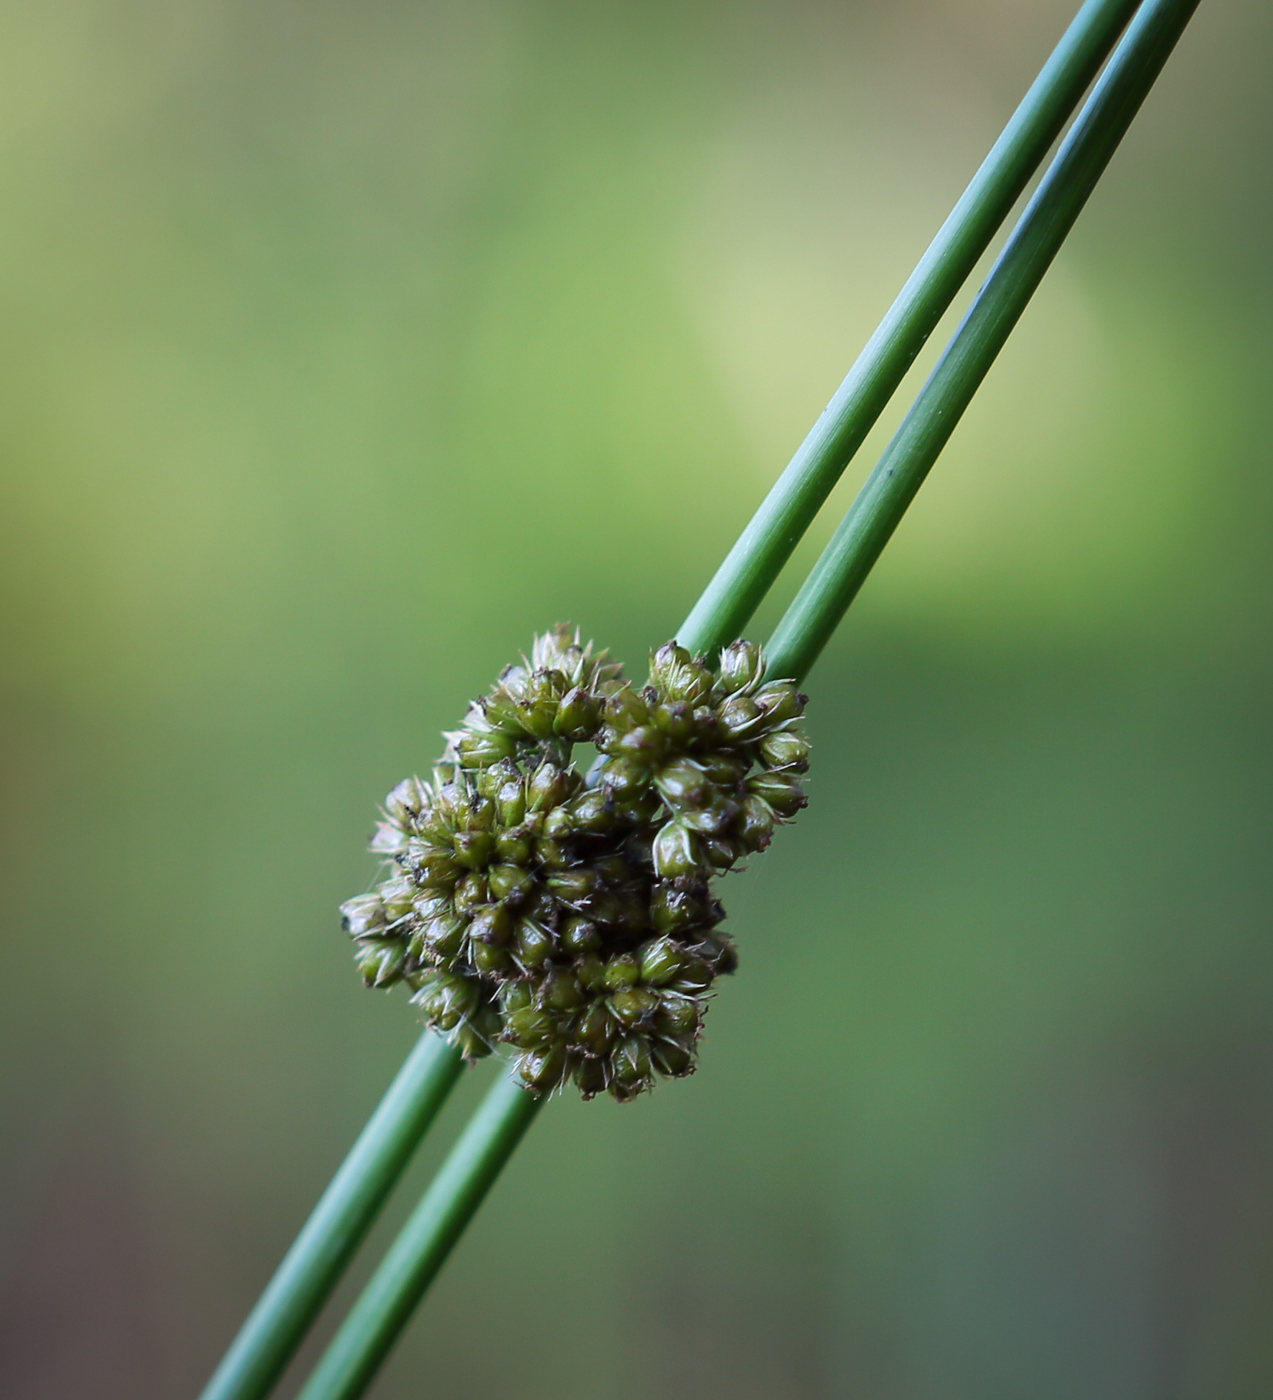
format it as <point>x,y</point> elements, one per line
<point>342,347</point>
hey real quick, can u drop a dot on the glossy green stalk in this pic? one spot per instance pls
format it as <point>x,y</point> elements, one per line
<point>756,560</point>
<point>315,1262</point>
<point>414,1258</point>
<point>1079,164</point>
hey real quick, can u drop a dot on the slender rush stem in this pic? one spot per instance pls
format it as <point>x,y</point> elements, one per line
<point>848,558</point>
<point>414,1258</point>
<point>342,1217</point>
<point>764,547</point>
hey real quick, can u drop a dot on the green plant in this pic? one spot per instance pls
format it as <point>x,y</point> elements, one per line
<point>752,566</point>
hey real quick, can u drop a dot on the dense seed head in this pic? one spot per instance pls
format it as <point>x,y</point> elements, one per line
<point>572,917</point>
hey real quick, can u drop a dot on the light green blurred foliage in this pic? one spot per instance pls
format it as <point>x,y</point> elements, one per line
<point>344,346</point>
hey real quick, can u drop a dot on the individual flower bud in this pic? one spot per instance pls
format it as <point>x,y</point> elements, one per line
<point>432,904</point>
<point>472,891</point>
<point>672,1058</point>
<point>677,1015</point>
<point>719,952</point>
<point>590,1078</point>
<point>447,1000</point>
<point>738,719</point>
<point>623,777</point>
<point>481,749</point>
<point>509,882</point>
<point>389,840</point>
<point>596,1029</point>
<point>675,720</point>
<point>560,990</point>
<point>721,852</point>
<point>579,936</point>
<point>622,971</point>
<point>573,886</point>
<point>534,944</point>
<point>661,960</point>
<point>782,791</point>
<point>682,784</point>
<point>578,715</point>
<point>635,1006</point>
<point>380,961</point>
<point>781,702</point>
<point>785,749</point>
<point>723,769</point>
<point>543,1070</point>
<point>741,667</point>
<point>515,845</point>
<point>678,675</point>
<point>362,914</point>
<point>529,1028</point>
<point>675,851</point>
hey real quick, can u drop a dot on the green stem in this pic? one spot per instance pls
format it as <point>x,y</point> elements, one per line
<point>848,558</point>
<point>764,547</point>
<point>309,1272</point>
<point>414,1258</point>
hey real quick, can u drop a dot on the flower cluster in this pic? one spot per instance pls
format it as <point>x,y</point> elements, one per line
<point>571,915</point>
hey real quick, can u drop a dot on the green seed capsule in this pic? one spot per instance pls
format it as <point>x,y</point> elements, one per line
<point>677,1015</point>
<point>622,971</point>
<point>679,904</point>
<point>447,1000</point>
<point>544,1070</point>
<point>529,1028</point>
<point>781,791</point>
<point>578,715</point>
<point>596,1029</point>
<point>389,840</point>
<point>785,749</point>
<point>625,710</point>
<point>694,976</point>
<point>534,944</point>
<point>480,750</point>
<point>433,904</point>
<point>362,914</point>
<point>591,972</point>
<point>472,1043</point>
<point>675,851</point>
<point>675,720</point>
<point>590,1077</point>
<point>490,959</point>
<point>549,786</point>
<point>444,937</point>
<point>672,1059</point>
<point>515,845</point>
<point>561,991</point>
<point>738,718</point>
<point>661,960</point>
<point>380,961</point>
<point>406,801</point>
<point>509,882</point>
<point>492,923</point>
<point>579,936</point>
<point>474,849</point>
<point>573,886</point>
<point>741,666</point>
<point>630,1068</point>
<point>683,784</point>
<point>781,703</point>
<point>755,826</point>
<point>643,746</point>
<point>437,869</point>
<point>470,893</point>
<point>635,1006</point>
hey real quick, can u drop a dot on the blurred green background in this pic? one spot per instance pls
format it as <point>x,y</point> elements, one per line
<point>342,347</point>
